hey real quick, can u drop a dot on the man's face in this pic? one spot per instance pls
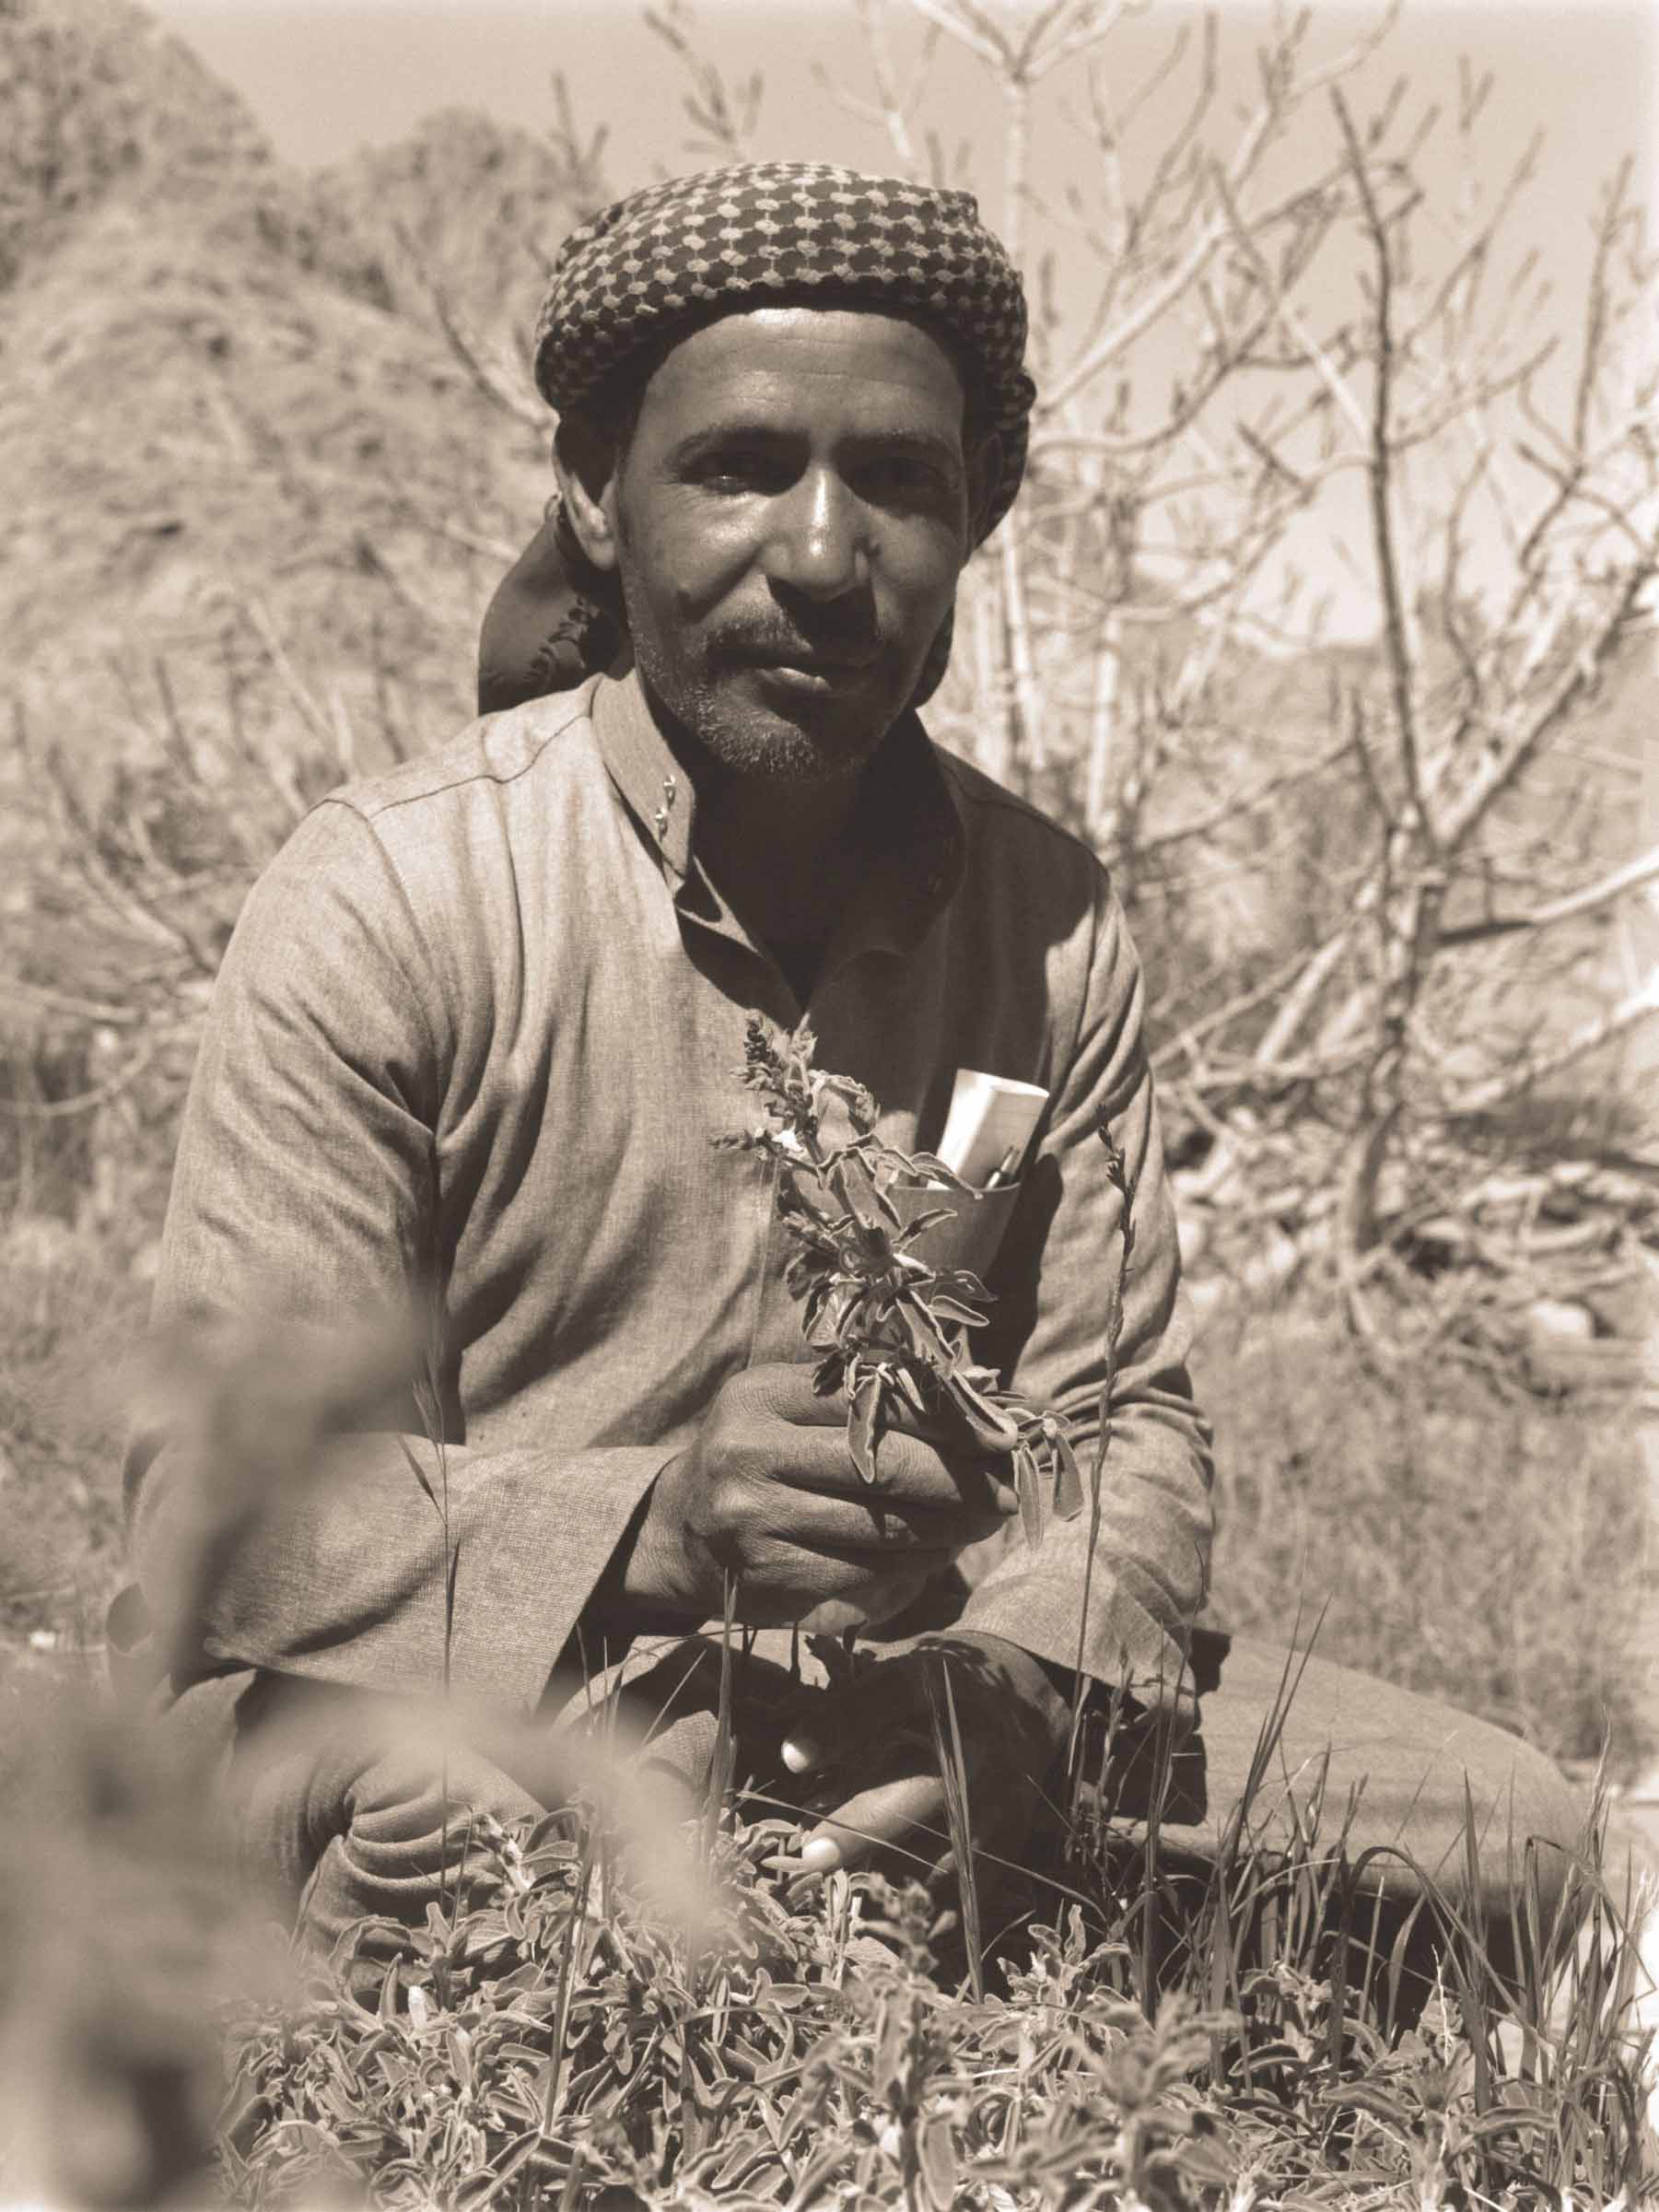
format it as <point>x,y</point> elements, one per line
<point>791,516</point>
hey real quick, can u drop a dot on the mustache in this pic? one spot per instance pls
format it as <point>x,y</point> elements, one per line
<point>772,641</point>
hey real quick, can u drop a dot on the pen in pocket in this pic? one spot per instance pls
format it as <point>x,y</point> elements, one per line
<point>1003,1172</point>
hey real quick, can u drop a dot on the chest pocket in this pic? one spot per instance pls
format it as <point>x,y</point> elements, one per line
<point>971,1237</point>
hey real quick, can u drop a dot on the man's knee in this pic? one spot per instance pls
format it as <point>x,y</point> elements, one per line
<point>1404,1779</point>
<point>344,1806</point>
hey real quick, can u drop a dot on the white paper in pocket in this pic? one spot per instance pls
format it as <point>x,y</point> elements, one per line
<point>990,1117</point>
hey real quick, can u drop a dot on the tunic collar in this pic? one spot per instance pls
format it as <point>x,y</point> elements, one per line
<point>913,847</point>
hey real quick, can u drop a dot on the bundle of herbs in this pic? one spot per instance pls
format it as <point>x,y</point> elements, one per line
<point>890,1327</point>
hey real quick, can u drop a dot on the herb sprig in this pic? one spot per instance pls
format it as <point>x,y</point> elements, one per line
<point>890,1326</point>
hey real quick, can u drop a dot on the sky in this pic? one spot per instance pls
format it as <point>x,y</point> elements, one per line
<point>324,77</point>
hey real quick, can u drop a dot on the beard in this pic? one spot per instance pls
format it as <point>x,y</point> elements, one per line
<point>715,698</point>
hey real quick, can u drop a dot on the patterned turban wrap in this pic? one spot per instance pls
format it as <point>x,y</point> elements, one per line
<point>758,234</point>
<point>747,236</point>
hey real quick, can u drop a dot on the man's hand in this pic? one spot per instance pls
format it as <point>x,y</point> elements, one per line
<point>769,1492</point>
<point>872,1744</point>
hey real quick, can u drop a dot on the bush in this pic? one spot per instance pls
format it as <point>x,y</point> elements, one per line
<point>552,2042</point>
<point>600,2013</point>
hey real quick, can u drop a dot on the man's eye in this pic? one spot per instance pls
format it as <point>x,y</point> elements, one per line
<point>743,470</point>
<point>906,480</point>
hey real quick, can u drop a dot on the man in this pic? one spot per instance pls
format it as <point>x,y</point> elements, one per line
<point>484,1018</point>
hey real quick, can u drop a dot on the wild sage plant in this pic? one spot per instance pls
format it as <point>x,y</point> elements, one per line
<point>890,1327</point>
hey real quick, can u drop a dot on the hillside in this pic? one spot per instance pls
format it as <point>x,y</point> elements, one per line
<point>254,506</point>
<point>97,101</point>
<point>258,498</point>
<point>467,208</point>
<point>230,421</point>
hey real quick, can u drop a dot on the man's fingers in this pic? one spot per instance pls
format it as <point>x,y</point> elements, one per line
<point>945,1430</point>
<point>770,1491</point>
<point>929,1461</point>
<point>900,1824</point>
<point>909,1472</point>
<point>868,1529</point>
<point>914,1467</point>
<point>782,1390</point>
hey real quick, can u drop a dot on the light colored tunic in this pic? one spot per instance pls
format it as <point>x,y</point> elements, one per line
<point>479,1024</point>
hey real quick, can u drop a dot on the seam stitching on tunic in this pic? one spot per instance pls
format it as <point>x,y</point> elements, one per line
<point>395,879</point>
<point>1009,803</point>
<point>481,774</point>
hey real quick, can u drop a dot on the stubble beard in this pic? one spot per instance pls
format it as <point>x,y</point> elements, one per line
<point>746,740</point>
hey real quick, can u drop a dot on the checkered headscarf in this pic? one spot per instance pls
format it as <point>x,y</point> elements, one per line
<point>746,236</point>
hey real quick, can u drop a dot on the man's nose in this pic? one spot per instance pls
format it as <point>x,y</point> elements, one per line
<point>817,543</point>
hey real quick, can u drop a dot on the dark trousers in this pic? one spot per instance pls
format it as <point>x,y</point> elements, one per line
<point>346,1818</point>
<point>1319,1801</point>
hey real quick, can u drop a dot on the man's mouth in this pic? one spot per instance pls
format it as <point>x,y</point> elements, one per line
<point>829,656</point>
<point>816,672</point>
<point>815,679</point>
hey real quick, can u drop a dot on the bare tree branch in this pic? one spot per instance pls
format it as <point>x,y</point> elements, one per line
<point>1643,870</point>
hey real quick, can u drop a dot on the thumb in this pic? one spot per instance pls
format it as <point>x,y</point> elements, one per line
<point>803,1750</point>
<point>898,1825</point>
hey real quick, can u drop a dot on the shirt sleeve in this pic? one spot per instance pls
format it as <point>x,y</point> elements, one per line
<point>277,1518</point>
<point>1057,1275</point>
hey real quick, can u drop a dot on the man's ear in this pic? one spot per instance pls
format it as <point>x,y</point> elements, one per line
<point>584,459</point>
<point>985,473</point>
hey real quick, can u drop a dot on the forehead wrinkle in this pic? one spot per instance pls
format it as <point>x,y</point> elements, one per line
<point>768,355</point>
<point>874,438</point>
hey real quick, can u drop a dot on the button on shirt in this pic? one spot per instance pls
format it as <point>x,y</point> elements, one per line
<point>479,1026</point>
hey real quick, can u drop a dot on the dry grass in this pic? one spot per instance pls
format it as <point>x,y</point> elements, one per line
<point>1475,1543</point>
<point>67,1316</point>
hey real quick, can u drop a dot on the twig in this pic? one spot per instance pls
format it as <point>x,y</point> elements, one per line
<point>1396,642</point>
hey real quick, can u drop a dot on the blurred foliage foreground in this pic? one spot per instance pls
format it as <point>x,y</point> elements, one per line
<point>607,2010</point>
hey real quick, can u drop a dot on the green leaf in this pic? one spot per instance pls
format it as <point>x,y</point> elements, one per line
<point>861,1107</point>
<point>926,1340</point>
<point>519,2155</point>
<point>828,1374</point>
<point>838,1303</point>
<point>1031,1503</point>
<point>953,1310</point>
<point>1510,2117</point>
<point>990,1423</point>
<point>911,1388</point>
<point>1067,1476</point>
<point>920,1224</point>
<point>886,1205</point>
<point>862,1420</point>
<point>930,1165</point>
<point>937,2156</point>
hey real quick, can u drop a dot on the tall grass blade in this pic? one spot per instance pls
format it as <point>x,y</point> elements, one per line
<point>953,1771</point>
<point>723,1764</point>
